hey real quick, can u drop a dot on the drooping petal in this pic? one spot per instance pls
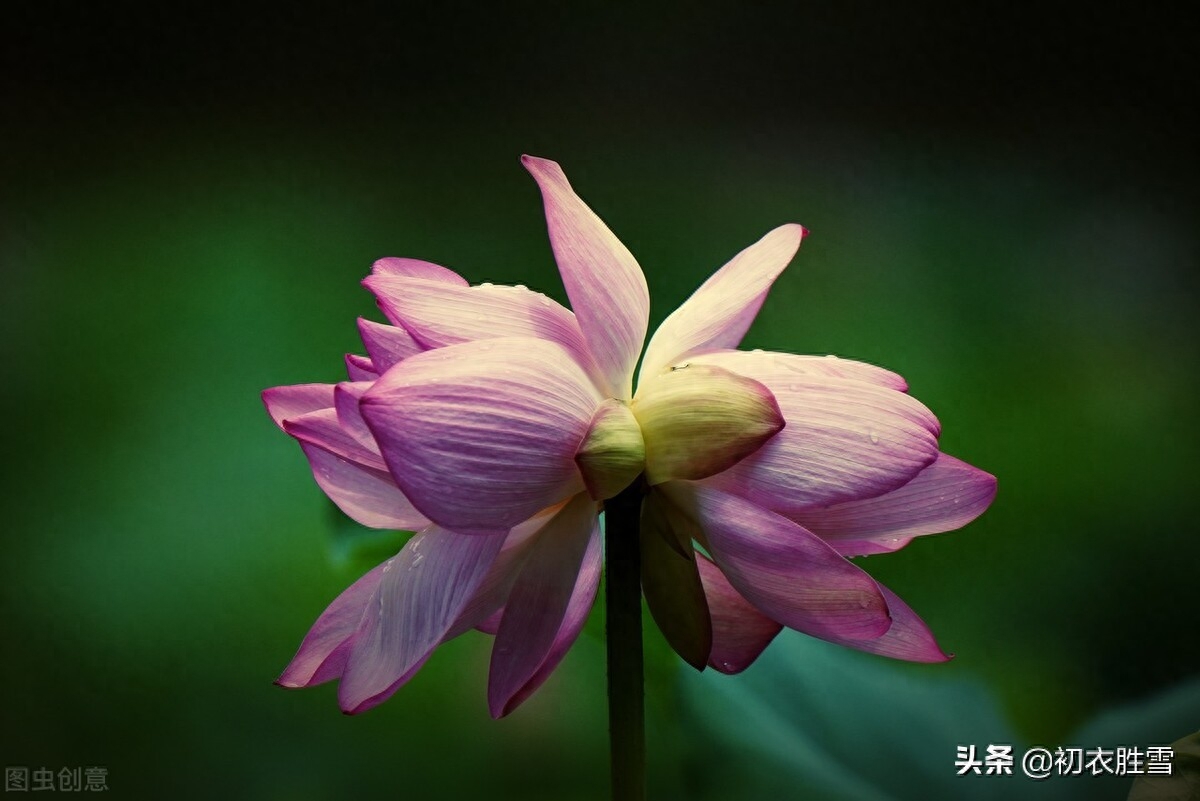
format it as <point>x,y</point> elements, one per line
<point>360,368</point>
<point>697,421</point>
<point>421,592</point>
<point>540,619</point>
<point>783,365</point>
<point>718,314</point>
<point>367,495</point>
<point>944,496</point>
<point>784,570</point>
<point>672,585</point>
<point>386,344</point>
<point>416,268</point>
<point>438,313</point>
<point>286,402</point>
<point>482,435</point>
<point>321,656</point>
<point>908,638</point>
<point>740,632</point>
<point>604,282</point>
<point>844,440</point>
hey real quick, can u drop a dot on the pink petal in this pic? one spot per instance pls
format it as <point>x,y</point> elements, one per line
<point>415,268</point>
<point>788,573</point>
<point>421,592</point>
<point>367,495</point>
<point>844,440</point>
<point>482,435</point>
<point>346,396</point>
<point>908,638</point>
<point>292,401</point>
<point>944,496</point>
<point>718,314</point>
<point>438,314</point>
<point>740,632</point>
<point>360,368</point>
<point>547,606</point>
<point>386,344</point>
<point>313,664</point>
<point>321,428</point>
<point>605,284</point>
<point>784,365</point>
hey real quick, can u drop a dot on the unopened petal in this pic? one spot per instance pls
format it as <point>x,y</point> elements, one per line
<point>604,282</point>
<point>421,592</point>
<point>719,313</point>
<point>321,656</point>
<point>613,453</point>
<point>944,496</point>
<point>292,401</point>
<point>482,435</point>
<point>787,572</point>
<point>539,621</point>
<point>699,420</point>
<point>740,632</point>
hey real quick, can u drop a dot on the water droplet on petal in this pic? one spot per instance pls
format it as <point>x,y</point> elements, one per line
<point>874,437</point>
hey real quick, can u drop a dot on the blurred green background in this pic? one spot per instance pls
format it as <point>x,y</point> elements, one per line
<point>1002,208</point>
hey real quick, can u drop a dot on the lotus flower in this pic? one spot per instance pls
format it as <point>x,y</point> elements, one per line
<point>494,422</point>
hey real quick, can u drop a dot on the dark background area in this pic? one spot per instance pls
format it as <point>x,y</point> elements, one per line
<point>1003,205</point>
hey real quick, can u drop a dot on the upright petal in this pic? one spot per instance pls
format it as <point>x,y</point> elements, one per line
<point>321,656</point>
<point>788,573</point>
<point>740,632</point>
<point>482,435</point>
<point>547,606</point>
<point>944,496</point>
<point>604,282</point>
<point>718,314</point>
<point>438,313</point>
<point>421,592</point>
<point>845,440</point>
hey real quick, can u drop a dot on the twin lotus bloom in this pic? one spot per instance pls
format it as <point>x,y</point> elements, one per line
<point>494,422</point>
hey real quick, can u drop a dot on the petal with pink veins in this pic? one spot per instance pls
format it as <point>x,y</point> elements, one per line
<point>366,495</point>
<point>604,282</point>
<point>739,631</point>
<point>944,496</point>
<point>438,314</point>
<point>482,435</point>
<point>844,440</point>
<point>421,592</point>
<point>908,638</point>
<point>547,606</point>
<point>346,396</point>
<point>718,314</point>
<point>322,428</point>
<point>360,368</point>
<point>313,664</point>
<point>292,401</point>
<point>386,344</point>
<point>784,570</point>
<point>416,268</point>
<point>779,367</point>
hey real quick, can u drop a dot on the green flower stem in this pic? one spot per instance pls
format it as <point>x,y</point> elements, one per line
<point>623,638</point>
